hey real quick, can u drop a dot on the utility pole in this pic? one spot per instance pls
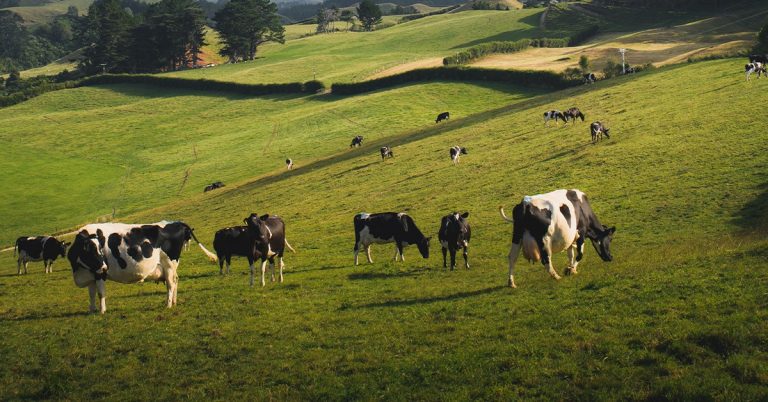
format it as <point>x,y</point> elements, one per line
<point>623,64</point>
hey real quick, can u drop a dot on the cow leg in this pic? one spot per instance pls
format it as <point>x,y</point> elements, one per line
<point>368,253</point>
<point>445,252</point>
<point>250,265</point>
<point>26,264</point>
<point>221,265</point>
<point>272,267</point>
<point>229,263</point>
<point>280,261</point>
<point>547,261</point>
<point>580,247</point>
<point>18,266</point>
<point>101,287</point>
<point>357,250</point>
<point>171,283</point>
<point>92,294</point>
<point>466,260</point>
<point>263,271</point>
<point>571,269</point>
<point>514,252</point>
<point>453,258</point>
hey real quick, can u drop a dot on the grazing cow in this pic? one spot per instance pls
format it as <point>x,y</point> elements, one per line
<point>597,128</point>
<point>128,253</point>
<point>213,186</point>
<point>357,141</point>
<point>549,223</point>
<point>554,115</point>
<point>755,67</point>
<point>386,152</point>
<point>442,116</point>
<point>40,248</point>
<point>235,241</point>
<point>758,58</point>
<point>455,152</point>
<point>289,164</point>
<point>572,114</point>
<point>454,234</point>
<point>388,227</point>
<point>267,240</point>
<point>590,78</point>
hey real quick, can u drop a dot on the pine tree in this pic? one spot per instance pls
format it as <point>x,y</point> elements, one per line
<point>369,14</point>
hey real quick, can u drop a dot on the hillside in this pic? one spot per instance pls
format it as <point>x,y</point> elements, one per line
<point>679,314</point>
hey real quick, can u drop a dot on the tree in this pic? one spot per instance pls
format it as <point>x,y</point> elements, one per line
<point>325,19</point>
<point>177,29</point>
<point>108,25</point>
<point>72,12</point>
<point>347,16</point>
<point>584,63</point>
<point>246,24</point>
<point>762,40</point>
<point>369,14</point>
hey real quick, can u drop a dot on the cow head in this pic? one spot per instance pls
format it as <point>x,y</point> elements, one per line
<point>423,245</point>
<point>86,253</point>
<point>257,226</point>
<point>458,228</point>
<point>61,249</point>
<point>607,131</point>
<point>602,243</point>
<point>464,151</point>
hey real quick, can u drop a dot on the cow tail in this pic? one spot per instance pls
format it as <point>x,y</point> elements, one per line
<point>289,246</point>
<point>211,256</point>
<point>501,211</point>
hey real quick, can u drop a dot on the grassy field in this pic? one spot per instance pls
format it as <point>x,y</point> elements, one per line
<point>680,314</point>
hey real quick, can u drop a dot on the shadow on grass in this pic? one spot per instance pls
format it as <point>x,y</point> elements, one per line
<point>328,268</point>
<point>433,299</point>
<point>754,214</point>
<point>532,20</point>
<point>383,275</point>
<point>46,316</point>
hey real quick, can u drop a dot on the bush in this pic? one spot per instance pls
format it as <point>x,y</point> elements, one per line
<point>438,12</point>
<point>205,85</point>
<point>313,86</point>
<point>582,36</point>
<point>485,49</point>
<point>538,79</point>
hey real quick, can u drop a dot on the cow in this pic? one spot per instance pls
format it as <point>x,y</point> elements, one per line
<point>758,58</point>
<point>590,78</point>
<point>597,128</point>
<point>213,186</point>
<point>267,240</point>
<point>357,141</point>
<point>572,114</point>
<point>454,234</point>
<point>553,115</point>
<point>388,227</point>
<point>755,67</point>
<point>386,152</point>
<point>550,223</point>
<point>40,248</point>
<point>455,152</point>
<point>128,253</point>
<point>235,241</point>
<point>289,164</point>
<point>442,116</point>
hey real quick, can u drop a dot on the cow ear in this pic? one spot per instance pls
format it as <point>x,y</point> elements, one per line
<point>612,230</point>
<point>84,233</point>
<point>100,236</point>
<point>465,215</point>
<point>264,217</point>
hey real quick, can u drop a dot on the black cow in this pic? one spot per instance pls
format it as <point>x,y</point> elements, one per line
<point>549,223</point>
<point>455,152</point>
<point>554,115</point>
<point>267,240</point>
<point>386,152</point>
<point>442,116</point>
<point>454,234</point>
<point>213,186</point>
<point>590,78</point>
<point>40,248</point>
<point>236,241</point>
<point>572,114</point>
<point>758,58</point>
<point>357,141</point>
<point>598,129</point>
<point>388,227</point>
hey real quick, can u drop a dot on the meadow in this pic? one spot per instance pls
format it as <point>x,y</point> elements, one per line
<point>679,315</point>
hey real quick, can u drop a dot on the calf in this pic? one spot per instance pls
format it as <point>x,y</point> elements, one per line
<point>597,128</point>
<point>386,152</point>
<point>455,152</point>
<point>40,248</point>
<point>289,164</point>
<point>554,115</point>
<point>357,141</point>
<point>572,114</point>
<point>549,223</point>
<point>388,227</point>
<point>128,253</point>
<point>267,240</point>
<point>442,116</point>
<point>236,241</point>
<point>755,67</point>
<point>590,78</point>
<point>213,186</point>
<point>454,234</point>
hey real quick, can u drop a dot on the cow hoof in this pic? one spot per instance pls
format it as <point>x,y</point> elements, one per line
<point>511,284</point>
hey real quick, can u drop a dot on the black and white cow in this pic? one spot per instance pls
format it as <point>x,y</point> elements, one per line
<point>357,141</point>
<point>213,186</point>
<point>236,241</point>
<point>455,152</point>
<point>598,129</point>
<point>442,116</point>
<point>388,227</point>
<point>386,152</point>
<point>759,58</point>
<point>40,248</point>
<point>572,114</point>
<point>289,163</point>
<point>454,234</point>
<point>267,241</point>
<point>554,115</point>
<point>590,78</point>
<point>128,253</point>
<point>755,67</point>
<point>550,223</point>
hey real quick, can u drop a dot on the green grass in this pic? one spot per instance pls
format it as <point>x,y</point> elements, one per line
<point>353,56</point>
<point>679,315</point>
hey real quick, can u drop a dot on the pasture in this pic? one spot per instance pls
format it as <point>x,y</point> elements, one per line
<point>680,313</point>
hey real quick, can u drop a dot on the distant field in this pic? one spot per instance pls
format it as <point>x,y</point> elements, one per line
<point>680,314</point>
<point>34,13</point>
